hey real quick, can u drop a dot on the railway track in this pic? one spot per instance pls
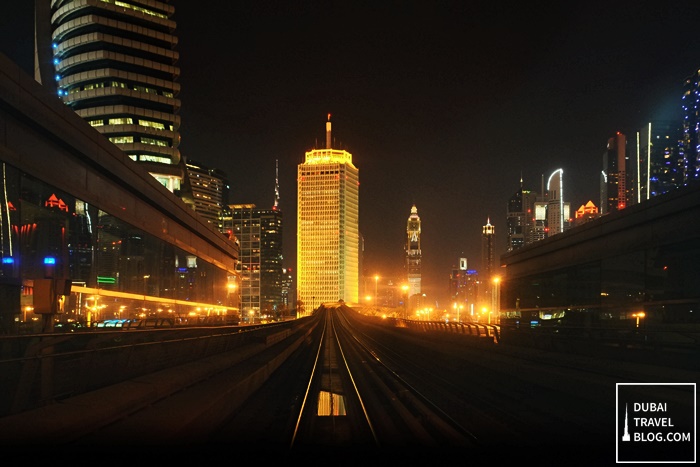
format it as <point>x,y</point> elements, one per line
<point>350,387</point>
<point>355,400</point>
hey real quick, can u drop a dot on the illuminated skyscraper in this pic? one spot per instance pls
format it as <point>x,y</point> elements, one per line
<point>413,253</point>
<point>264,287</point>
<point>691,125</point>
<point>613,182</point>
<point>558,211</point>
<point>210,191</point>
<point>488,253</point>
<point>659,163</point>
<point>521,218</point>
<point>115,65</point>
<point>328,240</point>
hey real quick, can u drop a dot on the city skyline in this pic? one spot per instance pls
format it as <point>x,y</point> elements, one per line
<point>447,119</point>
<point>442,106</point>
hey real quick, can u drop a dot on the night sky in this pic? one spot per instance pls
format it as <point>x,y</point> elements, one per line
<point>442,104</point>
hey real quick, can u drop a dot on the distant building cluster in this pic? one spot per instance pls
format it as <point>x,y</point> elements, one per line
<point>117,69</point>
<point>661,157</point>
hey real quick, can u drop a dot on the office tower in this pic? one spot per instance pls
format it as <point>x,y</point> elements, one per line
<point>413,253</point>
<point>659,162</point>
<point>558,211</point>
<point>209,190</point>
<point>115,65</point>
<point>245,225</point>
<point>464,291</point>
<point>691,128</point>
<point>271,258</point>
<point>288,288</point>
<point>520,218</point>
<point>613,182</point>
<point>260,235</point>
<point>488,254</point>
<point>328,238</point>
<point>488,247</point>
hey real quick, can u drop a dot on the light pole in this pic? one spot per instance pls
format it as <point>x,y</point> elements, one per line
<point>405,302</point>
<point>641,314</point>
<point>376,284</point>
<point>496,300</point>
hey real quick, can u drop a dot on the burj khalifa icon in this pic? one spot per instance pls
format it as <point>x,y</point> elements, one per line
<point>626,435</point>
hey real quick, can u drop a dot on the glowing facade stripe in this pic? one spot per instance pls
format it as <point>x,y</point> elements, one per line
<point>560,195</point>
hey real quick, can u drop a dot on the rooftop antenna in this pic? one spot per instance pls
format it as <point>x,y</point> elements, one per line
<point>277,185</point>
<point>328,132</point>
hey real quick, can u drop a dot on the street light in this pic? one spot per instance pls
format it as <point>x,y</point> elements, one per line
<point>496,307</point>
<point>641,314</point>
<point>405,302</point>
<point>376,283</point>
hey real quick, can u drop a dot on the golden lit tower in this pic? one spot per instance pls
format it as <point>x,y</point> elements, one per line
<point>328,240</point>
<point>413,254</point>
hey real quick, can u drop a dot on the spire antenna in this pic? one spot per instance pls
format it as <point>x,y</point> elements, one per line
<point>277,185</point>
<point>328,132</point>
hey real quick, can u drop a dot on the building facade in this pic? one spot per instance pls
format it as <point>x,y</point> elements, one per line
<point>691,128</point>
<point>115,65</point>
<point>558,210</point>
<point>464,292</point>
<point>413,253</point>
<point>521,219</point>
<point>659,162</point>
<point>328,239</point>
<point>613,181</point>
<point>209,190</point>
<point>264,288</point>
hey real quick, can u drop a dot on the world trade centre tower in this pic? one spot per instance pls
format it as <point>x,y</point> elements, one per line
<point>328,243</point>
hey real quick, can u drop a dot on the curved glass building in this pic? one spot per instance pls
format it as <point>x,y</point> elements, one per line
<point>115,64</point>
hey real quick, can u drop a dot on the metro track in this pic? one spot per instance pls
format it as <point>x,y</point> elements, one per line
<point>356,386</point>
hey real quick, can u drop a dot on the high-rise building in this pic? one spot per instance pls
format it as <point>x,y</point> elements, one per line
<point>209,189</point>
<point>271,259</point>
<point>115,65</point>
<point>288,289</point>
<point>520,218</point>
<point>464,291</point>
<point>659,162</point>
<point>328,239</point>
<point>691,128</point>
<point>613,182</point>
<point>413,253</point>
<point>246,227</point>
<point>488,250</point>
<point>265,287</point>
<point>488,254</point>
<point>558,211</point>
